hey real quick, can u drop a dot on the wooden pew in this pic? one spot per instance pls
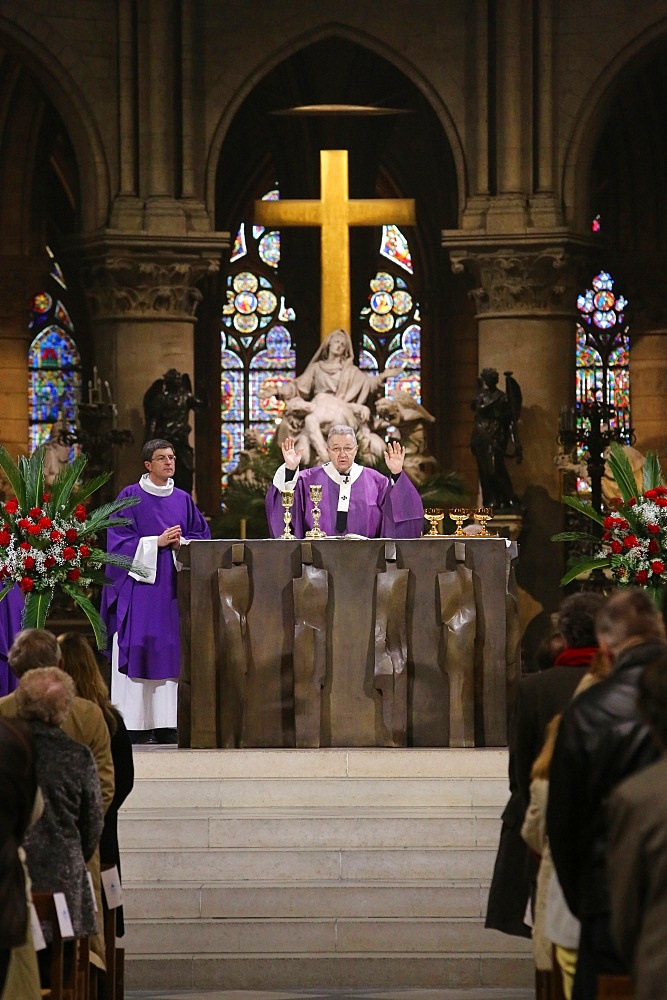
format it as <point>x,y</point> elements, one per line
<point>71,980</point>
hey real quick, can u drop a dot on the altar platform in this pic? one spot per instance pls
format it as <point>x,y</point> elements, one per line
<point>321,870</point>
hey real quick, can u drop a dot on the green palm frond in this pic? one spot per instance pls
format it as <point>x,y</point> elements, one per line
<point>91,614</point>
<point>36,608</point>
<point>84,490</point>
<point>33,474</point>
<point>108,515</point>
<point>13,474</point>
<point>65,482</point>
<point>444,489</point>
<point>651,473</point>
<point>575,536</point>
<point>622,471</point>
<point>584,565</point>
<point>584,508</point>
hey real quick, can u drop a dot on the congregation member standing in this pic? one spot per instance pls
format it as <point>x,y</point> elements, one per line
<point>140,608</point>
<point>564,657</point>
<point>35,647</point>
<point>541,696</point>
<point>78,661</point>
<point>20,804</point>
<point>66,835</point>
<point>637,856</point>
<point>355,499</point>
<point>602,739</point>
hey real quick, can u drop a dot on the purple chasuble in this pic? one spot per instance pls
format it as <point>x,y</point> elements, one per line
<point>145,615</point>
<point>377,509</point>
<point>11,608</point>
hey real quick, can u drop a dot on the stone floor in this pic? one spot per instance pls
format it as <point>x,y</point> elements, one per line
<point>343,994</point>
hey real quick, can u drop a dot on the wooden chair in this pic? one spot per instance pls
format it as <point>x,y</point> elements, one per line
<point>115,956</point>
<point>615,988</point>
<point>64,984</point>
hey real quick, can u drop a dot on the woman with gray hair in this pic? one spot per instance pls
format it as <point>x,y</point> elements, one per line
<point>66,835</point>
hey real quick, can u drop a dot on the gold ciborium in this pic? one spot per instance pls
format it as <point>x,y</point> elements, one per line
<point>287,499</point>
<point>433,515</point>
<point>459,515</point>
<point>482,515</point>
<point>315,493</point>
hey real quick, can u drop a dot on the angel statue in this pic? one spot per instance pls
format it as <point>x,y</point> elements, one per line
<point>167,404</point>
<point>495,437</point>
<point>408,418</point>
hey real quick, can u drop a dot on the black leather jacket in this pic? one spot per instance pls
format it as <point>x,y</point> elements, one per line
<point>601,741</point>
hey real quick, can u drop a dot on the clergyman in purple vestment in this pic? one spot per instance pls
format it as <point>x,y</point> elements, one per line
<point>11,608</point>
<point>355,500</point>
<point>141,612</point>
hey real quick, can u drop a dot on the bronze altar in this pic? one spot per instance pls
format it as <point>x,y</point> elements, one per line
<point>338,642</point>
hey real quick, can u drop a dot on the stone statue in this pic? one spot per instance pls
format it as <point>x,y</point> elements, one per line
<point>494,431</point>
<point>57,449</point>
<point>166,407</point>
<point>332,390</point>
<point>409,418</point>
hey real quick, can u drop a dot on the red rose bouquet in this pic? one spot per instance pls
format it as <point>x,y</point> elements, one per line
<point>48,538</point>
<point>633,543</point>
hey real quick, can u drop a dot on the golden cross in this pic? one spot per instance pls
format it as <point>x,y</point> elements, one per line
<point>334,213</point>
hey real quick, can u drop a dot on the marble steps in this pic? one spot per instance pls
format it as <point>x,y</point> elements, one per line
<point>272,869</point>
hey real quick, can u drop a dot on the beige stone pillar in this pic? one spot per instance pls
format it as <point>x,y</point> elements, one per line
<point>507,211</point>
<point>526,322</point>
<point>143,298</point>
<point>511,81</point>
<point>526,315</point>
<point>648,391</point>
<point>127,209</point>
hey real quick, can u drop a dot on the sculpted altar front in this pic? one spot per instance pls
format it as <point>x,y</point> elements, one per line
<point>339,642</point>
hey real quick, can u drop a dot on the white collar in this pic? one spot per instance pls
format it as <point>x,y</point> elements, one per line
<point>345,478</point>
<point>149,486</point>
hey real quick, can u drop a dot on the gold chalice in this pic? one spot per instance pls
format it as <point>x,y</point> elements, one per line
<point>433,515</point>
<point>483,514</point>
<point>287,499</point>
<point>459,515</point>
<point>315,493</point>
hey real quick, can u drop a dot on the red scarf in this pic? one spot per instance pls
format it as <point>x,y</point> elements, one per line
<point>576,656</point>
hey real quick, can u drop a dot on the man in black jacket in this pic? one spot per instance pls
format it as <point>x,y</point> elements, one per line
<point>540,696</point>
<point>601,740</point>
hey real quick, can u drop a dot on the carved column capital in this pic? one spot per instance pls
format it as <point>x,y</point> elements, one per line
<point>522,279</point>
<point>147,279</point>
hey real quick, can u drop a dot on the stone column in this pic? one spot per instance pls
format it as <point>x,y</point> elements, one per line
<point>648,390</point>
<point>507,210</point>
<point>526,314</point>
<point>143,300</point>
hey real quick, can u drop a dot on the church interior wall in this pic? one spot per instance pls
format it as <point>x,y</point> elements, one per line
<point>605,56</point>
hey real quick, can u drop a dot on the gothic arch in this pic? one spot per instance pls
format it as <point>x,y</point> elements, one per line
<point>590,121</point>
<point>52,61</point>
<point>363,40</point>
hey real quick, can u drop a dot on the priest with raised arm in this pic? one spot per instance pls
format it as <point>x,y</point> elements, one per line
<point>355,499</point>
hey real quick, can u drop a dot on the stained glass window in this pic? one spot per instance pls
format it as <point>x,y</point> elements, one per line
<point>257,355</point>
<point>392,334</point>
<point>394,247</point>
<point>602,361</point>
<point>54,366</point>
